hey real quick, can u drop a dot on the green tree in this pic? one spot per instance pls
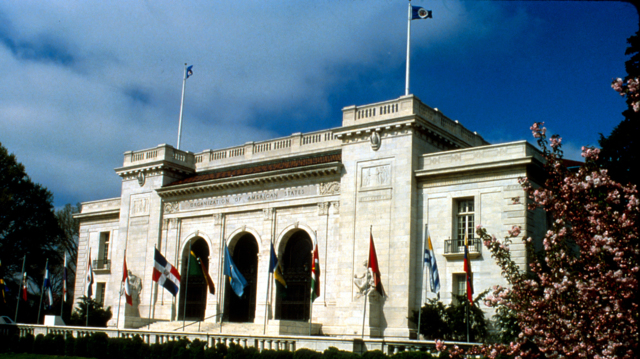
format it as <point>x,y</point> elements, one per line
<point>98,316</point>
<point>619,154</point>
<point>28,227</point>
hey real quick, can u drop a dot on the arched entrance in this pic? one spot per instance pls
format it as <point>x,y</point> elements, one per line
<point>194,283</point>
<point>245,256</point>
<point>296,270</point>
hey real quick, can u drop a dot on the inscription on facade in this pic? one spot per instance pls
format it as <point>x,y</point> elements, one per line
<point>383,195</point>
<point>242,198</point>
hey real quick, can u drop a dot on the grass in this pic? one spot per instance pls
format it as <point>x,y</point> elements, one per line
<point>36,356</point>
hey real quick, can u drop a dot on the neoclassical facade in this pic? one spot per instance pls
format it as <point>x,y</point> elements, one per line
<point>394,168</point>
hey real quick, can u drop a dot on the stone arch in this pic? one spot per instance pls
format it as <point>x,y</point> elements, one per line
<point>295,244</point>
<point>193,287</point>
<point>244,247</point>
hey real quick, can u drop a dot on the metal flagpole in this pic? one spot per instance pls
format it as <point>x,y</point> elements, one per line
<point>24,260</point>
<point>184,82</point>
<point>42,294</point>
<point>151,292</point>
<point>186,288</point>
<point>366,293</point>
<point>406,87</point>
<point>64,284</point>
<point>87,277</point>
<point>426,230</point>
<point>120,297</point>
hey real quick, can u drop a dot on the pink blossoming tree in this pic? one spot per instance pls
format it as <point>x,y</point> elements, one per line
<point>578,298</point>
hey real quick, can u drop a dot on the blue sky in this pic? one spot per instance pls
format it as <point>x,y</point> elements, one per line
<point>81,82</point>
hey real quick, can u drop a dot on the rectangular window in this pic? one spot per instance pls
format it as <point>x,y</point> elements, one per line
<point>100,292</point>
<point>459,286</point>
<point>465,218</point>
<point>103,251</point>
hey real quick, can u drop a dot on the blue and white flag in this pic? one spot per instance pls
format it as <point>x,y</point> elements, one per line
<point>89,279</point>
<point>419,13</point>
<point>189,71</point>
<point>47,287</point>
<point>430,260</point>
<point>236,279</point>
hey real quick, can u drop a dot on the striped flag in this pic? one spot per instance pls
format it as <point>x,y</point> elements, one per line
<point>89,278</point>
<point>47,287</point>
<point>315,274</point>
<point>430,260</point>
<point>165,274</point>
<point>467,270</point>
<point>24,287</point>
<point>64,279</point>
<point>276,269</point>
<point>125,280</point>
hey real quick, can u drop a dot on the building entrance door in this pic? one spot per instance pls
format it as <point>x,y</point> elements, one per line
<point>245,256</point>
<point>296,270</point>
<point>195,285</point>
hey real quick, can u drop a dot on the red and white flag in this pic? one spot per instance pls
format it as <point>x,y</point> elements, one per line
<point>125,280</point>
<point>373,266</point>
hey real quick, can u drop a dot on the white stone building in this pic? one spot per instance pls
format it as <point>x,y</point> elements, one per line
<point>393,166</point>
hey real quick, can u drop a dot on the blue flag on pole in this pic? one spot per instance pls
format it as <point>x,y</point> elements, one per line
<point>189,71</point>
<point>419,13</point>
<point>430,260</point>
<point>236,279</point>
<point>47,287</point>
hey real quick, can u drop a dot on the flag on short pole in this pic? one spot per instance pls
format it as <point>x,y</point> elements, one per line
<point>276,269</point>
<point>373,266</point>
<point>64,279</point>
<point>47,287</point>
<point>315,274</point>
<point>165,274</point>
<point>430,260</point>
<point>236,279</point>
<point>24,287</point>
<point>89,279</point>
<point>125,280</point>
<point>467,270</point>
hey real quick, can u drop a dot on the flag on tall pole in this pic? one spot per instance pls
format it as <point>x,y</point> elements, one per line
<point>315,274</point>
<point>430,261</point>
<point>47,287</point>
<point>125,281</point>
<point>276,269</point>
<point>165,274</point>
<point>89,278</point>
<point>188,71</point>
<point>373,265</point>
<point>64,279</point>
<point>24,286</point>
<point>236,279</point>
<point>3,285</point>
<point>415,13</point>
<point>467,270</point>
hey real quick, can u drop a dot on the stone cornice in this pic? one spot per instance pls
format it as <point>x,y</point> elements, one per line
<point>156,168</point>
<point>115,213</point>
<point>320,170</point>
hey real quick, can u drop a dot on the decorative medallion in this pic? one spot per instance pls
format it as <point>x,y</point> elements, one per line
<point>375,141</point>
<point>330,188</point>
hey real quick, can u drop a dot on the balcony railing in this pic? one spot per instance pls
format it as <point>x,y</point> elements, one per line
<point>455,247</point>
<point>102,264</point>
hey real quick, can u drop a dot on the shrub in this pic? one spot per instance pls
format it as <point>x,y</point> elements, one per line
<point>39,346</point>
<point>97,345</point>
<point>375,354</point>
<point>306,354</point>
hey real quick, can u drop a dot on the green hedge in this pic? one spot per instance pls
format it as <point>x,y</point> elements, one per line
<point>98,345</point>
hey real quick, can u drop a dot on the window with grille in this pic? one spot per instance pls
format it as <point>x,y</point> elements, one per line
<point>103,251</point>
